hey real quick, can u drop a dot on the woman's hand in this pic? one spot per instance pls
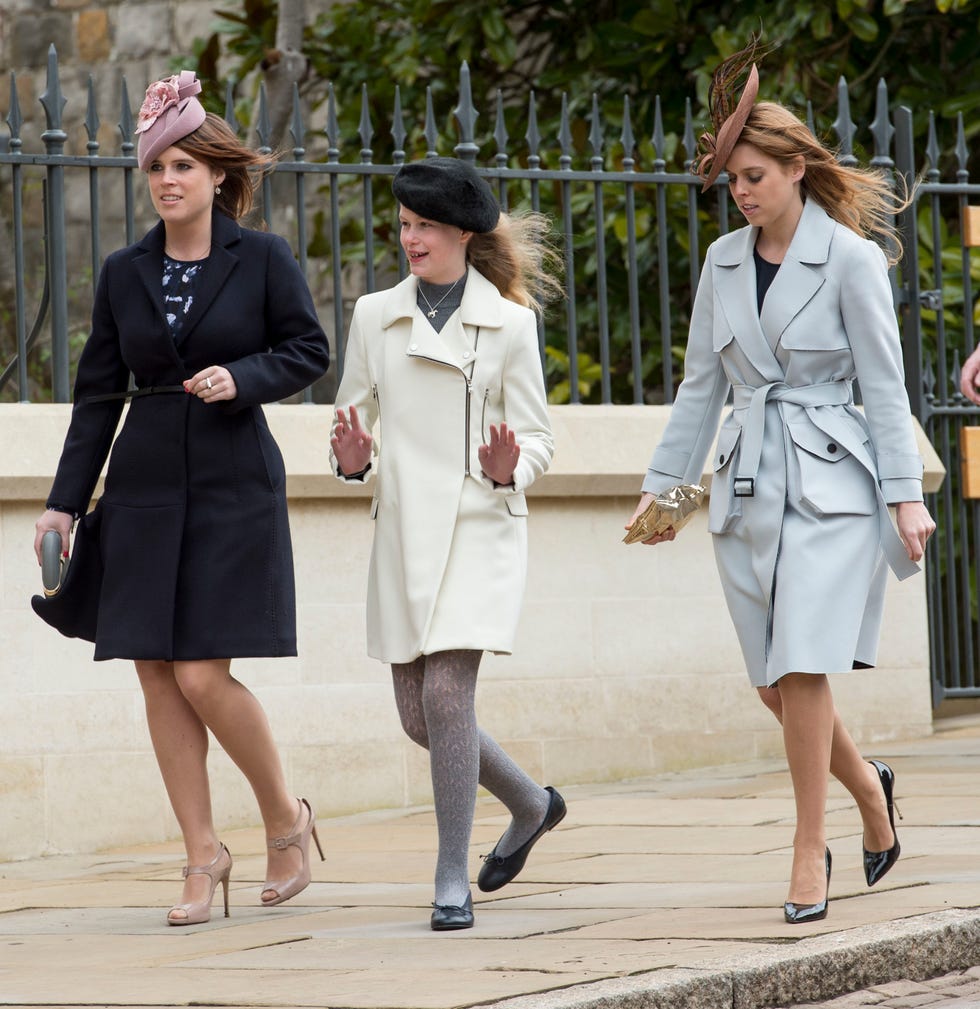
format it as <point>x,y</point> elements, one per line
<point>499,457</point>
<point>212,384</point>
<point>968,377</point>
<point>915,526</point>
<point>664,537</point>
<point>351,444</point>
<point>60,522</point>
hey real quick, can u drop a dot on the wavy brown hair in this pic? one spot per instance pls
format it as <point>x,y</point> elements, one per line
<point>519,259</point>
<point>214,143</point>
<point>861,199</point>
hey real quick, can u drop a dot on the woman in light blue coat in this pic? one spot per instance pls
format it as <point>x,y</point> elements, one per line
<point>789,312</point>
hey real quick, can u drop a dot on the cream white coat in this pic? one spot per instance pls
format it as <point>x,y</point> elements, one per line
<point>449,559</point>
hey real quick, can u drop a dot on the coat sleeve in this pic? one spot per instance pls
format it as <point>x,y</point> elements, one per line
<point>526,406</point>
<point>872,331</point>
<point>357,388</point>
<point>298,351</point>
<point>101,370</point>
<point>693,424</point>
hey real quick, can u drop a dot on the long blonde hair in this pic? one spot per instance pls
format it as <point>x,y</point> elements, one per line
<point>518,257</point>
<point>861,199</point>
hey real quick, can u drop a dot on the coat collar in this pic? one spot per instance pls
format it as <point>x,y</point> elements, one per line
<point>480,305</point>
<point>811,240</point>
<point>225,234</point>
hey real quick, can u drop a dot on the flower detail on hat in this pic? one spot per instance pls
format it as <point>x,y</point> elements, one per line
<point>160,96</point>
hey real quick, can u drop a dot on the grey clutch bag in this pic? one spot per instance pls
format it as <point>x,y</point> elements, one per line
<point>54,565</point>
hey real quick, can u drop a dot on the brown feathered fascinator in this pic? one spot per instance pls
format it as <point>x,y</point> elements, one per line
<point>727,117</point>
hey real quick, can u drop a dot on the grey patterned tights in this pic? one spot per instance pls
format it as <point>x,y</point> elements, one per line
<point>435,698</point>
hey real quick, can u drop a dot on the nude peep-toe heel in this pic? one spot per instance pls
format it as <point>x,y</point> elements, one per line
<point>199,911</point>
<point>284,889</point>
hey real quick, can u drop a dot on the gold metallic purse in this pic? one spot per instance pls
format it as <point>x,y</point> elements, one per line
<point>671,509</point>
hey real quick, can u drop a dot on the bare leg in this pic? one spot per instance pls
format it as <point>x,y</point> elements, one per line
<point>854,773</point>
<point>808,730</point>
<point>232,712</point>
<point>180,742</point>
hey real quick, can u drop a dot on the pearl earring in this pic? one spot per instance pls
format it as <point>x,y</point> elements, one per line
<point>217,190</point>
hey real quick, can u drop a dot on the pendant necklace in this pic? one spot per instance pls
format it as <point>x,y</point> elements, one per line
<point>435,308</point>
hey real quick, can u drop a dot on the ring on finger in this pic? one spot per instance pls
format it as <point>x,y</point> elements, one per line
<point>207,381</point>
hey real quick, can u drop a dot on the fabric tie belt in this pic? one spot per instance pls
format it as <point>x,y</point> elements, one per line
<point>755,400</point>
<point>147,390</point>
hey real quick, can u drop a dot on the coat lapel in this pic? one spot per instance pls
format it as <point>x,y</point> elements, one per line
<point>149,267</point>
<point>455,345</point>
<point>800,275</point>
<point>224,233</point>
<point>734,281</point>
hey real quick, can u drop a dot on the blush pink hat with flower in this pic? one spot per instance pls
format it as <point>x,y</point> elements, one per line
<point>169,113</point>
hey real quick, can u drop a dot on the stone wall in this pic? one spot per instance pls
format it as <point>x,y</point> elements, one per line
<point>135,39</point>
<point>626,662</point>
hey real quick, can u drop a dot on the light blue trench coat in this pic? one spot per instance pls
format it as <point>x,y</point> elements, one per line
<point>802,479</point>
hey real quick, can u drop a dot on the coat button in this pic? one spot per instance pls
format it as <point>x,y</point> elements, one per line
<point>466,354</point>
<point>413,346</point>
<point>831,448</point>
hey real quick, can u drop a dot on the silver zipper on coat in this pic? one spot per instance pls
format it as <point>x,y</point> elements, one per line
<point>483,415</point>
<point>469,394</point>
<point>469,388</point>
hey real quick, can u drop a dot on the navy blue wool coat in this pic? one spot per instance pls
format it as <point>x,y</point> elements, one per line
<point>194,533</point>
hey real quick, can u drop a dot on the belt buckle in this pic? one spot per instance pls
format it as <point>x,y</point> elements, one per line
<point>738,491</point>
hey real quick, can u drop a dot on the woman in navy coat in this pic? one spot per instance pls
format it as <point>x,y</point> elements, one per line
<point>211,320</point>
<point>789,312</point>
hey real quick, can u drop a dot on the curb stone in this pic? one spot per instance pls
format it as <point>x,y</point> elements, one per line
<point>811,970</point>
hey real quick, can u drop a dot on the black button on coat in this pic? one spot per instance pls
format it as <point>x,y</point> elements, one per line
<point>194,532</point>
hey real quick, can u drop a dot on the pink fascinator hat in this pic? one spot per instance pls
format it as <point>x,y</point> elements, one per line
<point>169,113</point>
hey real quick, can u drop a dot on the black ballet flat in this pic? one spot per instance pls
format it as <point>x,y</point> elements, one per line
<point>877,863</point>
<point>499,870</point>
<point>803,914</point>
<point>448,917</point>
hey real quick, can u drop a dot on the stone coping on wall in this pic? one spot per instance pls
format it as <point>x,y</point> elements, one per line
<point>599,450</point>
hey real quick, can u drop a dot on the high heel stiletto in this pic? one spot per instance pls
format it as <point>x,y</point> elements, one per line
<point>298,839</point>
<point>877,863</point>
<point>199,911</point>
<point>802,914</point>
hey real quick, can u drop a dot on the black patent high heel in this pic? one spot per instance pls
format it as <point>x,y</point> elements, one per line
<point>877,863</point>
<point>801,914</point>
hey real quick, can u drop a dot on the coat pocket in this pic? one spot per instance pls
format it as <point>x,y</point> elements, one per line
<point>831,481</point>
<point>720,518</point>
<point>516,504</point>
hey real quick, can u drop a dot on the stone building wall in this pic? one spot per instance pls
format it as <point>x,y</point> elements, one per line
<point>135,39</point>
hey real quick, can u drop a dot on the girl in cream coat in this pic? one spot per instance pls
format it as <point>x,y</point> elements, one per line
<point>789,312</point>
<point>446,366</point>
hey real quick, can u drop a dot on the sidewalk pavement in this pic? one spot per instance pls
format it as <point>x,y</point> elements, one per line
<point>665,892</point>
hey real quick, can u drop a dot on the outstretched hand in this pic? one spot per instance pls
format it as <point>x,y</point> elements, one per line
<point>499,457</point>
<point>351,444</point>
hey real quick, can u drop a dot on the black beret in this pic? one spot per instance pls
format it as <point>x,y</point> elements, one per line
<point>449,191</point>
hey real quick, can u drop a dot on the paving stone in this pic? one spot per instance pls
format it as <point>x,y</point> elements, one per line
<point>664,893</point>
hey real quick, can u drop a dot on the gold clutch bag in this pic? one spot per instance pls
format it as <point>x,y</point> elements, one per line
<point>670,509</point>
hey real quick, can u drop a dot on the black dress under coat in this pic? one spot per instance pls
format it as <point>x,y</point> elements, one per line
<point>194,532</point>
